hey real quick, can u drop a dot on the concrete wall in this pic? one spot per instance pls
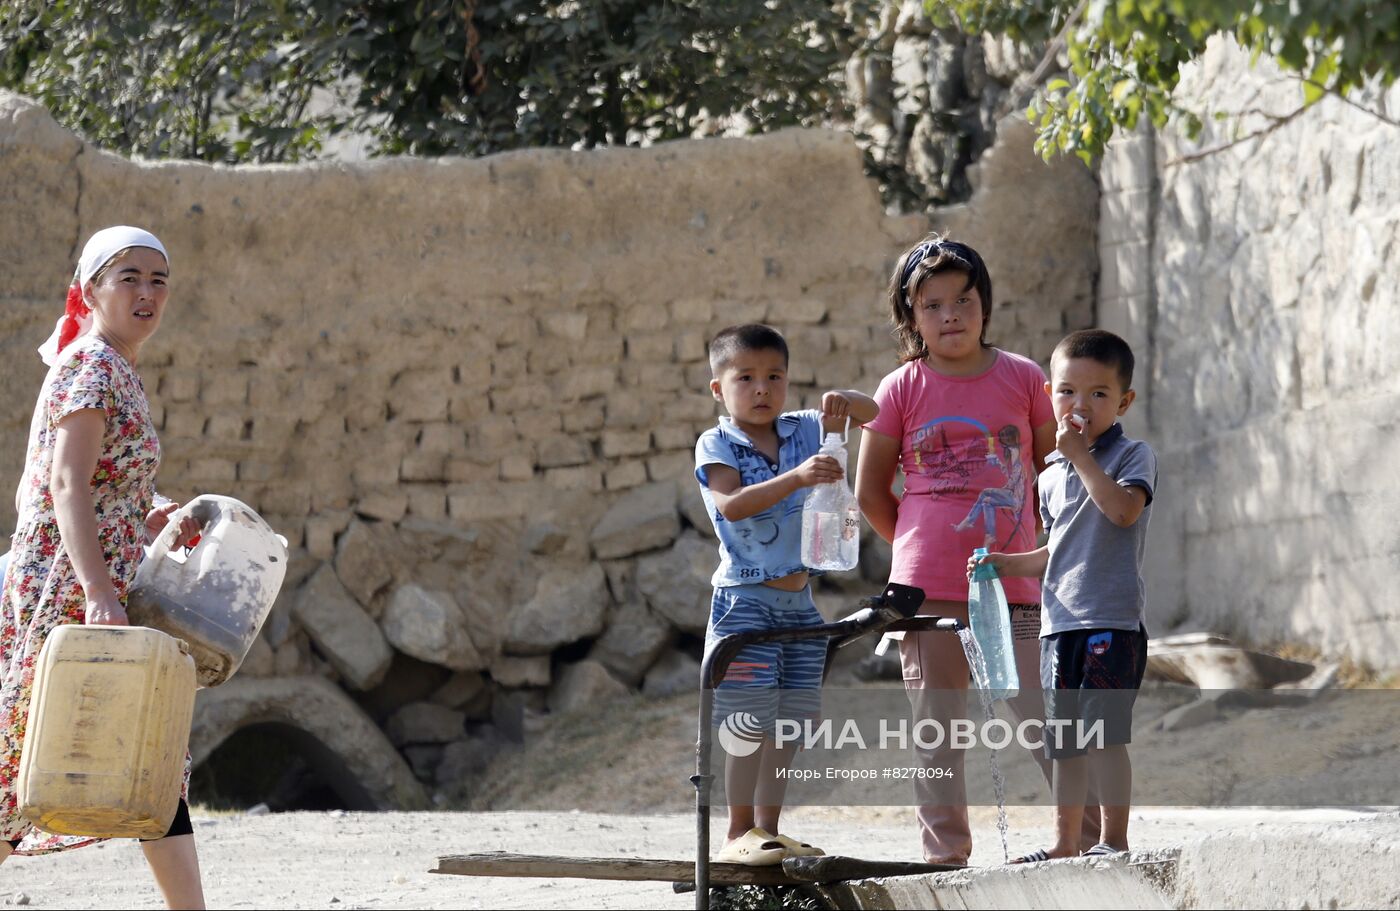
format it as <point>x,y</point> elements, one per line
<point>1258,283</point>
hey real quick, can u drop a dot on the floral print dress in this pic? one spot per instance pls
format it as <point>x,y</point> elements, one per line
<point>41,590</point>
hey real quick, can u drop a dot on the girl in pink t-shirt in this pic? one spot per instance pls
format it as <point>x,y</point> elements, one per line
<point>969,426</point>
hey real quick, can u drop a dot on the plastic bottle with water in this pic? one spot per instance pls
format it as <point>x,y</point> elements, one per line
<point>831,517</point>
<point>990,620</point>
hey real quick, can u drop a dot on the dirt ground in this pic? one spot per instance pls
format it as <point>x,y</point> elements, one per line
<point>381,860</point>
<point>614,783</point>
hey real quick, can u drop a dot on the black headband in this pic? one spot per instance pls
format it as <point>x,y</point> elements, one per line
<point>961,252</point>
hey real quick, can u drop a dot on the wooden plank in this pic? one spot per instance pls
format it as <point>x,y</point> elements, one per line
<point>794,870</point>
<point>500,863</point>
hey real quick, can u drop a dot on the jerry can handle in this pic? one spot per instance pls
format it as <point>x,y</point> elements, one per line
<point>202,510</point>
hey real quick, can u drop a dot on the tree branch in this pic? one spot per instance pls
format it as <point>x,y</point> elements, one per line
<point>1057,44</point>
<point>1278,123</point>
<point>1383,118</point>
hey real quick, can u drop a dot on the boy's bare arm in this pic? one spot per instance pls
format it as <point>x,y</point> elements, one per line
<point>1032,563</point>
<point>735,501</point>
<point>838,404</point>
<point>1120,505</point>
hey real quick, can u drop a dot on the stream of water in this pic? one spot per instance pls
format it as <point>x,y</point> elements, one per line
<point>981,681</point>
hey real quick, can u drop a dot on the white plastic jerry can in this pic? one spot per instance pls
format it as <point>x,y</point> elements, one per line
<point>109,723</point>
<point>217,596</point>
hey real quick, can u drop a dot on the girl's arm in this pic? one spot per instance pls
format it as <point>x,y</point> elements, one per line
<point>76,449</point>
<point>1043,445</point>
<point>879,457</point>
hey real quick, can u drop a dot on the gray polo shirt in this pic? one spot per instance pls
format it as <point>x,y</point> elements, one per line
<point>1094,577</point>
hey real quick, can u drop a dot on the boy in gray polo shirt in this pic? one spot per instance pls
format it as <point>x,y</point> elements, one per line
<point>1095,500</point>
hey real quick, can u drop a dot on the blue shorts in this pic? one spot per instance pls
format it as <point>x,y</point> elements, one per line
<point>1091,677</point>
<point>776,679</point>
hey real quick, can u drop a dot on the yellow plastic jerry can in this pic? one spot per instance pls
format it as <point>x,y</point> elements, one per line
<point>109,723</point>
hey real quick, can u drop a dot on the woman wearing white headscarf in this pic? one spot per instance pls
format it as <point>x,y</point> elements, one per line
<point>85,508</point>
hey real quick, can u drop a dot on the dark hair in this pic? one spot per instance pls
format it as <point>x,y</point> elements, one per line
<point>1102,346</point>
<point>933,255</point>
<point>750,337</point>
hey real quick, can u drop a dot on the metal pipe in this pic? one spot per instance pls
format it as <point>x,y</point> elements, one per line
<point>895,605</point>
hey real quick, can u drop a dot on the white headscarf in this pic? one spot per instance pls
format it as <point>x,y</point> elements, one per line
<point>100,248</point>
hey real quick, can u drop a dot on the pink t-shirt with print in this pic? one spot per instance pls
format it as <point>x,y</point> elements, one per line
<point>966,452</point>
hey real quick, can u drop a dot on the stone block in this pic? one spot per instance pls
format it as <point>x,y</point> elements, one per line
<point>425,722</point>
<point>516,468</point>
<point>625,443</point>
<point>569,604</point>
<point>583,687</point>
<point>625,476</point>
<point>460,689</point>
<point>671,466</point>
<point>676,582</point>
<point>674,436</point>
<point>481,502</point>
<point>624,408</point>
<point>362,562</point>
<point>659,346</point>
<point>430,626</point>
<point>257,471</point>
<point>384,506</point>
<point>698,376</point>
<point>522,397</point>
<point>675,672</point>
<point>515,671</point>
<point>442,439</point>
<point>224,427</point>
<point>692,346</point>
<point>642,519</point>
<point>427,502</point>
<point>179,386</point>
<point>584,417</point>
<point>507,364</point>
<point>223,388</point>
<point>605,351</point>
<point>466,758</point>
<point>469,471</point>
<point>212,470</point>
<point>695,310</point>
<point>585,382</point>
<point>573,326</point>
<point>342,630</point>
<point>692,507</point>
<point>660,378</point>
<point>421,395</point>
<point>559,450</point>
<point>634,639</point>
<point>423,466</point>
<point>466,407</point>
<point>699,406</point>
<point>807,309</point>
<point>582,477</point>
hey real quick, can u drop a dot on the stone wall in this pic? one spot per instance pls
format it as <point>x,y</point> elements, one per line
<point>1258,283</point>
<point>467,391</point>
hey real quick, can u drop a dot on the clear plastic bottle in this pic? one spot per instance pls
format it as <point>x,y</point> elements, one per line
<point>831,518</point>
<point>990,620</point>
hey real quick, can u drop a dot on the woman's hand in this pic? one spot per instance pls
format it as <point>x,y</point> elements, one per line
<point>158,518</point>
<point>105,610</point>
